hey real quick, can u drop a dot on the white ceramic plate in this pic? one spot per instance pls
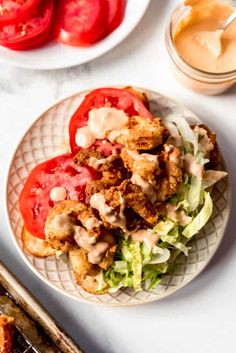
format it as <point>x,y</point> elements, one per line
<point>57,56</point>
<point>44,139</point>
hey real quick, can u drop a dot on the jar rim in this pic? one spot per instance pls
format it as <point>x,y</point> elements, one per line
<point>195,71</point>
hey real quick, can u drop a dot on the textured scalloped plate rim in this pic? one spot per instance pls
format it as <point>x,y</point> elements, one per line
<point>88,301</point>
<point>37,58</point>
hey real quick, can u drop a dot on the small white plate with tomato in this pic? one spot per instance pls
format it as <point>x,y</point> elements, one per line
<point>52,34</point>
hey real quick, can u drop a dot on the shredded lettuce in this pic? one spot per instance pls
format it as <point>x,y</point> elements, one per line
<point>163,227</point>
<point>185,130</point>
<point>159,255</point>
<point>141,268</point>
<point>136,264</point>
<point>177,244</point>
<point>201,219</point>
<point>152,275</point>
<point>101,282</point>
<point>194,193</point>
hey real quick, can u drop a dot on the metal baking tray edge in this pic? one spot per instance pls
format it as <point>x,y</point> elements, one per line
<point>37,312</point>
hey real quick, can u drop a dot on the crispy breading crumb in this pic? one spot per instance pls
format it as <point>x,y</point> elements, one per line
<point>6,333</point>
<point>143,134</point>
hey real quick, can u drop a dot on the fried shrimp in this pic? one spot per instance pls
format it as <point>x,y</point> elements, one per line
<point>61,222</point>
<point>111,204</point>
<point>111,168</point>
<point>100,253</point>
<point>72,224</point>
<point>94,187</point>
<point>136,199</point>
<point>86,274</point>
<point>209,146</point>
<point>146,165</point>
<point>140,134</point>
<point>168,182</point>
<point>6,333</point>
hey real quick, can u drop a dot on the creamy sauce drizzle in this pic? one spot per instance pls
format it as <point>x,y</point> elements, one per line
<point>137,179</point>
<point>133,153</point>
<point>58,193</point>
<point>98,202</point>
<point>174,138</point>
<point>143,156</point>
<point>148,157</point>
<point>100,121</point>
<point>84,137</point>
<point>145,186</point>
<point>191,167</point>
<point>95,162</point>
<point>63,223</point>
<point>96,251</point>
<point>177,216</point>
<point>145,235</point>
<point>112,136</point>
<point>204,141</point>
<point>91,223</point>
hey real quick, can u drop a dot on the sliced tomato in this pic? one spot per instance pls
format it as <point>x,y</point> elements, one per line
<point>116,12</point>
<point>12,11</point>
<point>82,22</point>
<point>35,202</point>
<point>31,32</point>
<point>113,97</point>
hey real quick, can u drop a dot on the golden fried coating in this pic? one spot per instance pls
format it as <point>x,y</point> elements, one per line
<point>111,167</point>
<point>134,198</point>
<point>167,184</point>
<point>147,169</point>
<point>209,145</point>
<point>64,232</point>
<point>128,157</point>
<point>6,333</point>
<point>86,274</point>
<point>62,218</point>
<point>100,253</point>
<point>112,170</point>
<point>138,201</point>
<point>110,252</point>
<point>134,221</point>
<point>145,165</point>
<point>95,186</point>
<point>35,246</point>
<point>83,157</point>
<point>142,134</point>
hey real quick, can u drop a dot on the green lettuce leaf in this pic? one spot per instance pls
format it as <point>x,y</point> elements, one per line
<point>185,130</point>
<point>136,265</point>
<point>201,219</point>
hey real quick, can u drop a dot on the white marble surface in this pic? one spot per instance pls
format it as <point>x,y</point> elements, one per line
<point>200,317</point>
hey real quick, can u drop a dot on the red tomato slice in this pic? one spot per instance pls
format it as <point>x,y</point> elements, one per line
<point>116,12</point>
<point>30,33</point>
<point>12,11</point>
<point>82,21</point>
<point>35,202</point>
<point>112,97</point>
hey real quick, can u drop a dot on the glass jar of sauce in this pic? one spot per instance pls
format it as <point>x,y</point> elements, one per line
<point>198,66</point>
